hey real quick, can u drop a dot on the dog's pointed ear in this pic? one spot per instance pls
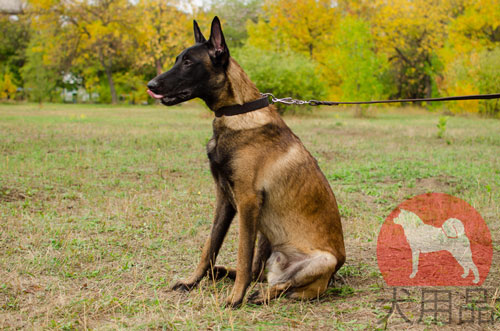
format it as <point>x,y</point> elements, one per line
<point>218,48</point>
<point>198,36</point>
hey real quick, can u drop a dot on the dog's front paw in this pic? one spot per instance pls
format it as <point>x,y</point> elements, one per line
<point>183,286</point>
<point>234,304</point>
<point>234,300</point>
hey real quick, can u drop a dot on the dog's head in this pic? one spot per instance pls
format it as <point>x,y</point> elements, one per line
<point>198,71</point>
<point>407,218</point>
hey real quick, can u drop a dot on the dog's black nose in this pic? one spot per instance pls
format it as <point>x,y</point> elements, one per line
<point>152,84</point>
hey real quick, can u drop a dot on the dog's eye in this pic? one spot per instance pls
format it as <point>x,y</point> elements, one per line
<point>186,62</point>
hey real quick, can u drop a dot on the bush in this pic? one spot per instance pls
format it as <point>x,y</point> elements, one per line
<point>131,88</point>
<point>40,80</point>
<point>353,58</point>
<point>474,73</point>
<point>7,88</point>
<point>104,91</point>
<point>489,80</point>
<point>282,74</point>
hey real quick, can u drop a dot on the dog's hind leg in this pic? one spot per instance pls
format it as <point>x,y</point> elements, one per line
<point>468,265</point>
<point>224,214</point>
<point>306,278</point>
<point>312,290</point>
<point>262,252</point>
<point>463,255</point>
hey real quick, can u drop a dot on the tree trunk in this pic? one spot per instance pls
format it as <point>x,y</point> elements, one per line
<point>109,75</point>
<point>158,66</point>
<point>159,70</point>
<point>428,86</point>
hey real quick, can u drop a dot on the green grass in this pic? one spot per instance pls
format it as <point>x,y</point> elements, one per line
<point>103,208</point>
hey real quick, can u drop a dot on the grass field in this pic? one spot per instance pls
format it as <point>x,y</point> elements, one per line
<point>102,209</point>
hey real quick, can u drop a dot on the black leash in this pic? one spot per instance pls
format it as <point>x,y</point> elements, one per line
<point>264,102</point>
<point>290,101</point>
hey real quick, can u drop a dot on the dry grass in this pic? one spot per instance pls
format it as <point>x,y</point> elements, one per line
<point>103,208</point>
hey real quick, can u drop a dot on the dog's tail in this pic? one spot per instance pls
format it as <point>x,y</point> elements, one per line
<point>453,228</point>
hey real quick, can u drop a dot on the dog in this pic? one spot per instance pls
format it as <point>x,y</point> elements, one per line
<point>288,217</point>
<point>424,238</point>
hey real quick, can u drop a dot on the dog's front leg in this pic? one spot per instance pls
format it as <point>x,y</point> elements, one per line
<point>414,256</point>
<point>224,213</point>
<point>248,211</point>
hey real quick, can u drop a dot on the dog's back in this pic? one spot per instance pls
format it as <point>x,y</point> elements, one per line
<point>427,238</point>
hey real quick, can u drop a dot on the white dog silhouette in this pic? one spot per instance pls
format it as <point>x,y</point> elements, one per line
<point>424,238</point>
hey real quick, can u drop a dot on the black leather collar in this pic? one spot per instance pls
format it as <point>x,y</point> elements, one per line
<point>244,108</point>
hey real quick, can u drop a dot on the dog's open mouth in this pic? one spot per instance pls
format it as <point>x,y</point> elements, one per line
<point>170,100</point>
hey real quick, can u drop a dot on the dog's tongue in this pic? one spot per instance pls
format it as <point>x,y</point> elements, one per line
<point>154,95</point>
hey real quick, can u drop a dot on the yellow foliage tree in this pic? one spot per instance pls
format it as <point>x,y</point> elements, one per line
<point>304,26</point>
<point>160,39</point>
<point>473,34</point>
<point>476,26</point>
<point>86,32</point>
<point>408,32</point>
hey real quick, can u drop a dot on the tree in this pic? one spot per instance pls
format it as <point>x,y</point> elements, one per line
<point>470,55</point>
<point>304,26</point>
<point>476,26</point>
<point>161,39</point>
<point>353,57</point>
<point>87,32</point>
<point>409,32</point>
<point>285,74</point>
<point>14,38</point>
<point>39,77</point>
<point>235,15</point>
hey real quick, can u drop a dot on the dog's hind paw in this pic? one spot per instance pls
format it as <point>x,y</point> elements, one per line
<point>256,298</point>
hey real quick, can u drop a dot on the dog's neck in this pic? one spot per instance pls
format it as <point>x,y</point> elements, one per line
<point>239,89</point>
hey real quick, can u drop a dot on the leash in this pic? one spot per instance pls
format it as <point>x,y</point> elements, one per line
<point>264,102</point>
<point>291,101</point>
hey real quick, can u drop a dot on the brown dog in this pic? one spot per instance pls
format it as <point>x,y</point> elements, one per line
<point>263,172</point>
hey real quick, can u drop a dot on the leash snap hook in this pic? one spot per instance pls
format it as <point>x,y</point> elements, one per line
<point>273,98</point>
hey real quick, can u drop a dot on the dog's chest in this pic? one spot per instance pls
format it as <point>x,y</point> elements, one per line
<point>219,155</point>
